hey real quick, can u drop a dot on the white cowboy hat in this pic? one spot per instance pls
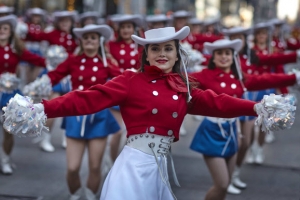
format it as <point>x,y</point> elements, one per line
<point>103,30</point>
<point>161,35</point>
<point>157,18</point>
<point>262,25</point>
<point>195,21</point>
<point>101,21</point>
<point>6,9</point>
<point>136,19</point>
<point>10,19</point>
<point>236,45</point>
<point>36,11</point>
<point>237,30</point>
<point>211,21</point>
<point>60,14</point>
<point>181,14</point>
<point>277,22</point>
<point>89,14</point>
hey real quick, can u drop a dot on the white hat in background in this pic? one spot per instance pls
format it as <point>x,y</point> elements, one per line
<point>236,45</point>
<point>60,14</point>
<point>161,35</point>
<point>89,14</point>
<point>263,25</point>
<point>236,30</point>
<point>211,21</point>
<point>136,19</point>
<point>277,22</point>
<point>195,21</point>
<point>6,9</point>
<point>103,30</point>
<point>9,19</point>
<point>157,18</point>
<point>36,11</point>
<point>181,14</point>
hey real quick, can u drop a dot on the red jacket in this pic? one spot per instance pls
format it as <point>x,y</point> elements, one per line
<point>197,40</point>
<point>55,37</point>
<point>220,82</point>
<point>150,101</point>
<point>9,59</point>
<point>85,71</point>
<point>125,54</point>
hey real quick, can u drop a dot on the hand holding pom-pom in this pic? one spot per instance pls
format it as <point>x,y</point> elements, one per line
<point>275,112</point>
<point>23,118</point>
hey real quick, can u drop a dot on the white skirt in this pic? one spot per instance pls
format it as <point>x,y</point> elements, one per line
<point>135,176</point>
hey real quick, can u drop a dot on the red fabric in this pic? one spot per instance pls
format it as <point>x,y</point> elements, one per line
<point>197,40</point>
<point>125,54</point>
<point>277,45</point>
<point>277,58</point>
<point>9,59</point>
<point>55,37</point>
<point>85,71</point>
<point>220,82</point>
<point>136,95</point>
<point>32,29</point>
<point>293,44</point>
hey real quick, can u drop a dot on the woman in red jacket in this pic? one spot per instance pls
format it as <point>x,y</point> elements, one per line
<point>13,51</point>
<point>153,102</point>
<point>216,138</point>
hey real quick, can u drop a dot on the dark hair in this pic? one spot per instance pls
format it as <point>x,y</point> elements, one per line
<point>253,56</point>
<point>134,28</point>
<point>176,68</point>
<point>212,65</point>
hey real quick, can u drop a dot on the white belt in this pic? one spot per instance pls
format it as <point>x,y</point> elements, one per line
<point>230,135</point>
<point>156,145</point>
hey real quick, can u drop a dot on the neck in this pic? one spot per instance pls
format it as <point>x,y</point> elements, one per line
<point>262,45</point>
<point>225,69</point>
<point>128,41</point>
<point>91,53</point>
<point>3,43</point>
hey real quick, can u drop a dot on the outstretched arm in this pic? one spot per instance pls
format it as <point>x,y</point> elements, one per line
<point>208,103</point>
<point>95,99</point>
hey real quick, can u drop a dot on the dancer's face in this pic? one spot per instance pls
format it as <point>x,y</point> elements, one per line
<point>5,31</point>
<point>126,30</point>
<point>223,58</point>
<point>163,55</point>
<point>65,24</point>
<point>241,37</point>
<point>90,42</point>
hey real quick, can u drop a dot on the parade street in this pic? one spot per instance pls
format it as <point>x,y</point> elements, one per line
<point>40,175</point>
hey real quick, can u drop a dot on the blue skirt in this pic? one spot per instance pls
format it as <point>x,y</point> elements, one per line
<point>5,97</point>
<point>209,140</point>
<point>97,125</point>
<point>62,87</point>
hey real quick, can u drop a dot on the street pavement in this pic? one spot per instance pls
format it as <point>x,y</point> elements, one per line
<point>41,175</point>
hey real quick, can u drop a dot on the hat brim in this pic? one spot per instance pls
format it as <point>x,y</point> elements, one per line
<point>10,19</point>
<point>179,35</point>
<point>104,31</point>
<point>236,45</point>
<point>136,20</point>
<point>235,32</point>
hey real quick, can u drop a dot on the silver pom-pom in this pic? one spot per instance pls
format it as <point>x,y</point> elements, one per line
<point>23,118</point>
<point>275,112</point>
<point>54,56</point>
<point>194,56</point>
<point>39,89</point>
<point>9,82</point>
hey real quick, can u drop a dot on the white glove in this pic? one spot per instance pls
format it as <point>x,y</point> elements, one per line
<point>21,29</point>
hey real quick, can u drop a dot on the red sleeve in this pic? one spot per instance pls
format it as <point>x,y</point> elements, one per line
<point>267,81</point>
<point>61,71</point>
<point>208,103</point>
<point>33,59</point>
<point>295,45</point>
<point>203,38</point>
<point>277,58</point>
<point>33,36</point>
<point>113,69</point>
<point>93,100</point>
